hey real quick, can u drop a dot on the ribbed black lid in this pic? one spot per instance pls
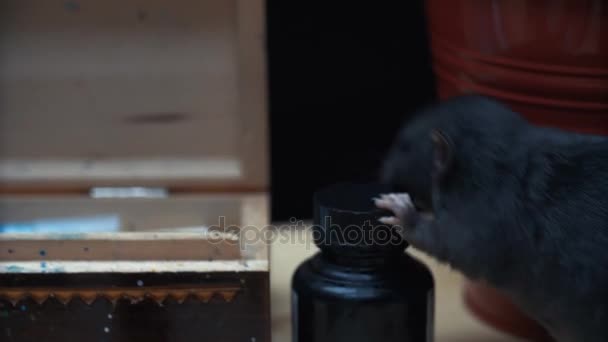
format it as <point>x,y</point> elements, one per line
<point>346,220</point>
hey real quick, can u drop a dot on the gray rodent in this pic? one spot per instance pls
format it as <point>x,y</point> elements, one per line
<point>519,206</point>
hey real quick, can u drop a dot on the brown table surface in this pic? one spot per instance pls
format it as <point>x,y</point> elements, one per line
<point>452,320</point>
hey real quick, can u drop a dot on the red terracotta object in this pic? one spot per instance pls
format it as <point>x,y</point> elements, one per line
<point>494,309</point>
<point>547,60</point>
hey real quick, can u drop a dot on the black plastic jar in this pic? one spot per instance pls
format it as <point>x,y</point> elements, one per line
<point>361,286</point>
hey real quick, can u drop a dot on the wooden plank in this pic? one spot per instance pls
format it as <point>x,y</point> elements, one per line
<point>129,267</point>
<point>182,233</point>
<point>177,187</point>
<point>118,246</point>
<point>253,95</point>
<point>255,212</point>
<point>110,170</point>
<point>135,214</point>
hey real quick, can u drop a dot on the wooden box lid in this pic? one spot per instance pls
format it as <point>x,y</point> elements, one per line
<point>137,92</point>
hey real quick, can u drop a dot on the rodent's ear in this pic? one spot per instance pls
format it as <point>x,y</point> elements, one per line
<point>442,152</point>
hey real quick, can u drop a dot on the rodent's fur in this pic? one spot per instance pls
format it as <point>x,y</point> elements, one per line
<point>522,207</point>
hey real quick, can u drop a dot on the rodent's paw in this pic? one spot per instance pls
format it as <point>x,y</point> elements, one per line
<point>390,220</point>
<point>402,207</point>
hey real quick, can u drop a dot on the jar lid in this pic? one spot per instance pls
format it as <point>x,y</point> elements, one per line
<point>346,220</point>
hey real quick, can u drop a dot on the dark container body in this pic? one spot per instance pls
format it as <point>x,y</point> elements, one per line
<point>332,302</point>
<point>360,291</point>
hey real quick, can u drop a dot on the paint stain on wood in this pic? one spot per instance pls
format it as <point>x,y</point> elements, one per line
<point>142,15</point>
<point>162,118</point>
<point>14,269</point>
<point>72,6</point>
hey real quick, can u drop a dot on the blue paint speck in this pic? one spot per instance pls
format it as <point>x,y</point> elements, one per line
<point>43,264</point>
<point>14,269</point>
<point>23,307</point>
<point>42,252</point>
<point>71,236</point>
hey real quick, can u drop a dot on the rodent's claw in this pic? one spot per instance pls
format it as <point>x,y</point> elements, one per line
<point>383,203</point>
<point>400,204</point>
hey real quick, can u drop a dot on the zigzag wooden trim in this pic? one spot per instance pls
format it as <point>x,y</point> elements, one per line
<point>113,294</point>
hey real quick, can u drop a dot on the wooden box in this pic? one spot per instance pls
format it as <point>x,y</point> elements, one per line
<point>133,171</point>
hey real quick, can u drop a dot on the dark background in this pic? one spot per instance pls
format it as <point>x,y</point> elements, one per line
<point>343,76</point>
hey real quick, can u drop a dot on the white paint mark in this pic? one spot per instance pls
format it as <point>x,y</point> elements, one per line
<point>106,330</point>
<point>109,316</point>
<point>140,283</point>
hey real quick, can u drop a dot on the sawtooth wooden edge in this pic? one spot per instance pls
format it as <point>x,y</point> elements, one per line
<point>114,294</point>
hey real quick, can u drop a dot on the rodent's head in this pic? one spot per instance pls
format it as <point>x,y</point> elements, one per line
<point>462,139</point>
<point>407,166</point>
